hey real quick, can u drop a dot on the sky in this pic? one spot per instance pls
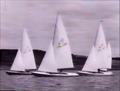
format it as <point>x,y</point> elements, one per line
<point>81,19</point>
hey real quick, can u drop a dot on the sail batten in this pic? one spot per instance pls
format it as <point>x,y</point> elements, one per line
<point>27,52</point>
<point>61,46</point>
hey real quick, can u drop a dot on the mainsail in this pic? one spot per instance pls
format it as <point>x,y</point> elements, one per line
<point>91,62</point>
<point>61,46</point>
<point>101,48</point>
<point>100,43</point>
<point>48,63</point>
<point>27,52</point>
<point>109,56</point>
<point>18,64</point>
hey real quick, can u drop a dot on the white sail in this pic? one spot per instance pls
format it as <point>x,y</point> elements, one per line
<point>48,63</point>
<point>100,40</point>
<point>101,48</point>
<point>61,46</point>
<point>109,56</point>
<point>27,52</point>
<point>18,64</point>
<point>91,62</point>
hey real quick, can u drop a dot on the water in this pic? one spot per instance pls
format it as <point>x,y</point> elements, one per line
<point>82,83</point>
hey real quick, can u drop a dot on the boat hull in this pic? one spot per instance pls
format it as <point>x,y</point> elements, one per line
<point>18,73</point>
<point>83,73</point>
<point>46,74</point>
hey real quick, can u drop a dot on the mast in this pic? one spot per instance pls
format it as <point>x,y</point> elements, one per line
<point>55,26</point>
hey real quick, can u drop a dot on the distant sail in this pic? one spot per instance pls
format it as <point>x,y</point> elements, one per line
<point>100,43</point>
<point>61,46</point>
<point>91,62</point>
<point>27,52</point>
<point>101,48</point>
<point>18,64</point>
<point>48,63</point>
<point>109,56</point>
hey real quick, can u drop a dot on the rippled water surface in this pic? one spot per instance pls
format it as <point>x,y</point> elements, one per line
<point>82,83</point>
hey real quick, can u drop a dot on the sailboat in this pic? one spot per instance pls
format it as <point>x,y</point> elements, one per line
<point>49,67</point>
<point>100,58</point>
<point>27,52</point>
<point>18,67</point>
<point>91,66</point>
<point>62,46</point>
<point>24,62</point>
<point>103,49</point>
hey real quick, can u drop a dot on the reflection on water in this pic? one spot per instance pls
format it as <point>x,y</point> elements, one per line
<point>82,83</point>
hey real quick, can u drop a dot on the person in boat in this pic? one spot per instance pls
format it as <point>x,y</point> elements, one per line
<point>102,70</point>
<point>28,70</point>
<point>60,70</point>
<point>99,71</point>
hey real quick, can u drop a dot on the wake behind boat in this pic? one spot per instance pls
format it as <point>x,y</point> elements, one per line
<point>51,74</point>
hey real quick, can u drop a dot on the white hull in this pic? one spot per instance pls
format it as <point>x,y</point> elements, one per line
<point>46,74</point>
<point>19,72</point>
<point>83,73</point>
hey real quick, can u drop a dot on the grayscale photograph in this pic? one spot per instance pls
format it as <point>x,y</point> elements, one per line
<point>59,45</point>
